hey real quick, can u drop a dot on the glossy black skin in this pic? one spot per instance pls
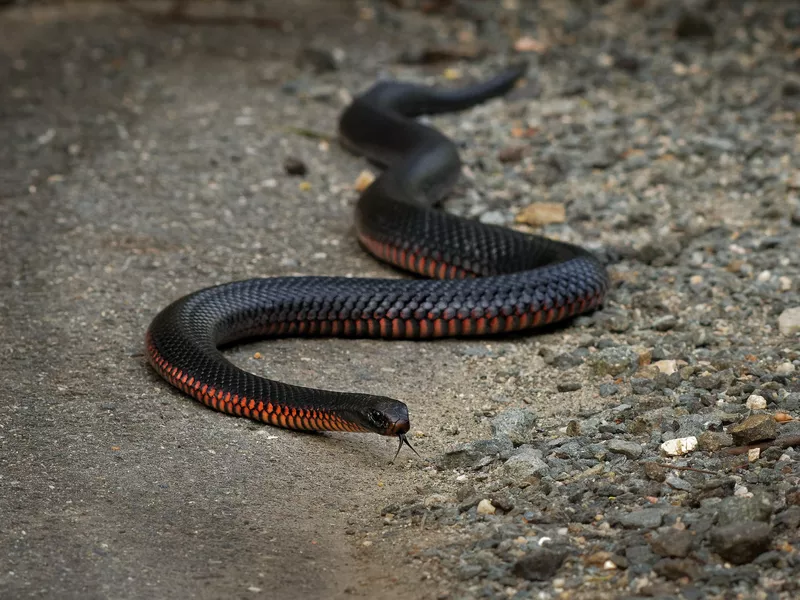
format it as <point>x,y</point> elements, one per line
<point>514,273</point>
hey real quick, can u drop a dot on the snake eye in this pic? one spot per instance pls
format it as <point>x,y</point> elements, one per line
<point>377,418</point>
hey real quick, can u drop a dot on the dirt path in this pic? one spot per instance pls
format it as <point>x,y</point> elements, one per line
<point>140,162</point>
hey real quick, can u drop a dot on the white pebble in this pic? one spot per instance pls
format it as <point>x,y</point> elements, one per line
<point>764,276</point>
<point>609,565</point>
<point>753,454</point>
<point>789,321</point>
<point>785,368</point>
<point>679,446</point>
<point>756,402</point>
<point>668,367</point>
<point>485,507</point>
<point>785,283</point>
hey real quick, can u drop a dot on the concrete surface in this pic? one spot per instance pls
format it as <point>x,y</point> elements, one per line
<point>142,161</point>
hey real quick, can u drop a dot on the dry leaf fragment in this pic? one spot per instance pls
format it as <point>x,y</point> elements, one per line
<point>364,180</point>
<point>542,213</point>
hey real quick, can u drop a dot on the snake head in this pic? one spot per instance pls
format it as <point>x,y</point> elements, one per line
<point>386,417</point>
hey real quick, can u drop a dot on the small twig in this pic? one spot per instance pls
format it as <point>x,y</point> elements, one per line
<point>312,133</point>
<point>663,466</point>
<point>786,442</point>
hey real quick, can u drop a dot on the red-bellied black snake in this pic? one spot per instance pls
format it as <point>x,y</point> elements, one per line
<point>485,279</point>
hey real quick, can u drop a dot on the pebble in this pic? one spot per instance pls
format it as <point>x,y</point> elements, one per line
<point>516,424</point>
<point>608,389</point>
<point>785,368</point>
<point>640,558</point>
<point>511,154</point>
<point>472,453</point>
<point>321,60</point>
<point>567,359</point>
<point>540,564</point>
<point>294,166</point>
<point>741,542</point>
<point>679,446</point>
<point>436,500</point>
<point>630,450</point>
<point>613,361</point>
<point>678,483</point>
<point>665,323</point>
<point>756,402</point>
<point>712,441</point>
<point>642,385</point>
<point>647,518</point>
<point>754,428</point>
<point>677,568</point>
<point>789,321</point>
<point>485,507</point>
<point>526,462</point>
<point>568,386</point>
<point>790,518</point>
<point>736,509</point>
<point>493,217</point>
<point>668,367</point>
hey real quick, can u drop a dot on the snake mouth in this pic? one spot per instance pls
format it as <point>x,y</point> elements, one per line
<point>399,428</point>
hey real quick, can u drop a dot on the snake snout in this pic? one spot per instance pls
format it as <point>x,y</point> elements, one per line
<point>389,417</point>
<point>399,427</point>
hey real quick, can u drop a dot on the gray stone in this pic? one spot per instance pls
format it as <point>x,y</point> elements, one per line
<point>665,323</point>
<point>694,425</point>
<point>676,543</point>
<point>740,543</point>
<point>608,389</point>
<point>472,453</point>
<point>741,508</point>
<point>613,361</point>
<point>515,423</point>
<point>711,441</point>
<point>641,558</point>
<point>569,359</point>
<point>754,429</point>
<point>678,483</point>
<point>526,462</point>
<point>642,385</point>
<point>540,564</point>
<point>677,568</point>
<point>648,518</point>
<point>631,450</point>
<point>790,518</point>
<point>568,386</point>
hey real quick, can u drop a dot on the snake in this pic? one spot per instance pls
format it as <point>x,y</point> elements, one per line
<point>474,279</point>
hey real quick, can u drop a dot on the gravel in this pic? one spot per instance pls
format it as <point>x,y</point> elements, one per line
<point>692,365</point>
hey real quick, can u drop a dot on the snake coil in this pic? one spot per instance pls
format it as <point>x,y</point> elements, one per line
<point>485,279</point>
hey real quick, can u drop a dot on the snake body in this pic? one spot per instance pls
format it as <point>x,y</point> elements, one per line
<point>485,279</point>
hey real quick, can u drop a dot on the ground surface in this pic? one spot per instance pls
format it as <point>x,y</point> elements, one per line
<point>145,159</point>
